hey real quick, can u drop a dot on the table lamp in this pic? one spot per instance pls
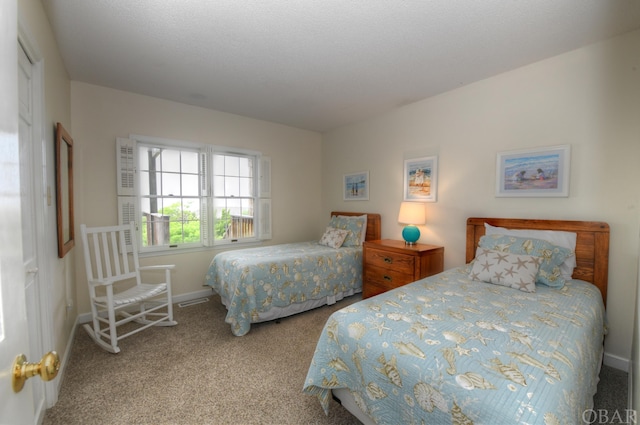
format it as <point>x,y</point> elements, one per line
<point>411,214</point>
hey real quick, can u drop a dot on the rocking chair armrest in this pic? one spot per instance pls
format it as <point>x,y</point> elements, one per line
<point>158,267</point>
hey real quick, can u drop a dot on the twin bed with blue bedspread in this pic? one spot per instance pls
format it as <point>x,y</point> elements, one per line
<point>454,349</point>
<point>266,283</point>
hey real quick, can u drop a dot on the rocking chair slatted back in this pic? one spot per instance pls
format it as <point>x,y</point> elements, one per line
<point>109,259</point>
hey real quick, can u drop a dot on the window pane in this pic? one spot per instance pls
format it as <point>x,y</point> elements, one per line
<point>155,229</point>
<point>232,186</point>
<point>247,207</point>
<point>171,160</point>
<point>150,183</point>
<point>218,165</point>
<point>246,187</point>
<point>190,185</point>
<point>246,167</point>
<point>191,209</point>
<point>218,186</point>
<point>232,166</point>
<point>144,183</point>
<point>190,161</point>
<point>149,158</point>
<point>145,205</point>
<point>222,219</point>
<point>170,184</point>
<point>230,221</point>
<point>143,158</point>
<point>178,222</point>
<point>234,206</point>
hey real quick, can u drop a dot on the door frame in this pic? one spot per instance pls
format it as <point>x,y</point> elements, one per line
<point>43,329</point>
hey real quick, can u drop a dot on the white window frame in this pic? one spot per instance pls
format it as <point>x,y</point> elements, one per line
<point>129,197</point>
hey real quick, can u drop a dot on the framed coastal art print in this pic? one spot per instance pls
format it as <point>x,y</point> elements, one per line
<point>421,179</point>
<point>538,172</point>
<point>356,186</point>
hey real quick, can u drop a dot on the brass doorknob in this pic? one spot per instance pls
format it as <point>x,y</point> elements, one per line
<point>47,368</point>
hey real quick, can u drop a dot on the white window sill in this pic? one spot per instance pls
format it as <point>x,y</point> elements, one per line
<point>179,251</point>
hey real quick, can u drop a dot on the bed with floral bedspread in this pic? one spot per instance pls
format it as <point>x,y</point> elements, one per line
<point>267,283</point>
<point>448,349</point>
<point>254,281</point>
<point>514,336</point>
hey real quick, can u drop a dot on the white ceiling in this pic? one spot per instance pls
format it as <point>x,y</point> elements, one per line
<point>318,64</point>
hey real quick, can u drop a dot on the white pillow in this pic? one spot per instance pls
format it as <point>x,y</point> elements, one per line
<point>505,269</point>
<point>556,237</point>
<point>333,237</point>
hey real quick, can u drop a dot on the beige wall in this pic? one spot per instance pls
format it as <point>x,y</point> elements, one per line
<point>100,115</point>
<point>57,108</point>
<point>588,98</point>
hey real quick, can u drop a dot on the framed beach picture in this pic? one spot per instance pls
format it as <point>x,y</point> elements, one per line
<point>356,186</point>
<point>421,179</point>
<point>533,172</point>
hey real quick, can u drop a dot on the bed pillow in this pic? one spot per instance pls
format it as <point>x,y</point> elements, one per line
<point>505,269</point>
<point>355,225</point>
<point>333,237</point>
<point>552,256</point>
<point>363,219</point>
<point>556,237</point>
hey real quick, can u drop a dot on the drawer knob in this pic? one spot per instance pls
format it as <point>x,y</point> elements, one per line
<point>388,260</point>
<point>388,278</point>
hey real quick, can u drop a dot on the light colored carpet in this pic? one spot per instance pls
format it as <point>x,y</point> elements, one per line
<point>199,373</point>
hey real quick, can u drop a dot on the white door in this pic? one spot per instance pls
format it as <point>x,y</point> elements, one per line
<point>30,190</point>
<point>15,408</point>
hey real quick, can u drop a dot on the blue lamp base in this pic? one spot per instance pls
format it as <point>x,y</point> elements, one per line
<point>410,234</point>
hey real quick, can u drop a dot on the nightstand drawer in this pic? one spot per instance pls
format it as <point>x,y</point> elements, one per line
<point>400,263</point>
<point>387,277</point>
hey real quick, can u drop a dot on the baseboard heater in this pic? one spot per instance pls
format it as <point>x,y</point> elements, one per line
<point>193,302</point>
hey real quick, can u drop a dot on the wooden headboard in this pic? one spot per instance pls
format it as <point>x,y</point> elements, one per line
<point>374,225</point>
<point>592,245</point>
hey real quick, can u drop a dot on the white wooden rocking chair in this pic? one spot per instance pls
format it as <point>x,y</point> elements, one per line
<point>107,265</point>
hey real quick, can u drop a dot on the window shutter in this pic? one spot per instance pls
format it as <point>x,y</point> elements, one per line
<point>265,219</point>
<point>126,190</point>
<point>265,198</point>
<point>204,203</point>
<point>126,163</point>
<point>127,212</point>
<point>265,177</point>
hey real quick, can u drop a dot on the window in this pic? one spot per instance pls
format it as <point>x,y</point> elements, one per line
<point>169,181</point>
<point>184,195</point>
<point>233,196</point>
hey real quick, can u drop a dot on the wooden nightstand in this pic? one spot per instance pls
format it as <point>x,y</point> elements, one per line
<point>389,263</point>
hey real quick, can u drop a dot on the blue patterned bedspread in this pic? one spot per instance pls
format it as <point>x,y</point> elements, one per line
<point>254,280</point>
<point>446,349</point>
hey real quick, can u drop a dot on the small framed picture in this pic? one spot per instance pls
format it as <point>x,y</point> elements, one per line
<point>542,172</point>
<point>421,179</point>
<point>356,186</point>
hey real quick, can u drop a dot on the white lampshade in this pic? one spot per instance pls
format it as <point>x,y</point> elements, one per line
<point>412,213</point>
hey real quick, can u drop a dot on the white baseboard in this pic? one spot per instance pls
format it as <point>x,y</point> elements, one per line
<point>86,317</point>
<point>63,363</point>
<point>616,362</point>
<point>630,388</point>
